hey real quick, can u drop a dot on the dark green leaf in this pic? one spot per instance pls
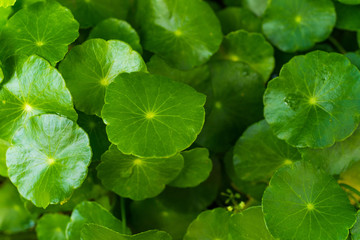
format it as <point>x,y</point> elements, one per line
<point>347,16</point>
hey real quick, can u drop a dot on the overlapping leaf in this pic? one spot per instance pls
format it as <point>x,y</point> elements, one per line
<point>52,226</point>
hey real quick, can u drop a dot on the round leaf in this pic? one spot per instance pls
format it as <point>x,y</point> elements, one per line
<point>96,232</point>
<point>235,103</point>
<point>253,165</point>
<point>91,12</point>
<point>137,178</point>
<point>7,3</point>
<point>337,158</point>
<point>235,18</point>
<point>249,224</point>
<point>48,159</point>
<point>4,145</point>
<point>197,168</point>
<point>298,24</point>
<point>250,48</point>
<point>13,216</point>
<point>185,35</point>
<point>35,88</point>
<point>115,29</point>
<point>91,212</point>
<point>52,227</point>
<point>304,203</point>
<point>89,68</point>
<point>347,16</point>
<point>163,116</point>
<point>315,101</point>
<point>44,28</point>
<point>210,224</point>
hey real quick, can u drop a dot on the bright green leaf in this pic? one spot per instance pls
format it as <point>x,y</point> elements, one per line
<point>302,202</point>
<point>28,32</point>
<point>89,68</point>
<point>52,227</point>
<point>235,18</point>
<point>250,48</point>
<point>35,88</point>
<point>7,3</point>
<point>315,101</point>
<point>91,12</point>
<point>337,158</point>
<point>258,153</point>
<point>115,29</point>
<point>13,216</point>
<point>4,14</point>
<point>96,232</point>
<point>4,145</point>
<point>298,24</point>
<point>184,33</point>
<point>163,116</point>
<point>48,159</point>
<point>256,6</point>
<point>210,224</point>
<point>137,178</point>
<point>91,212</point>
<point>249,224</point>
<point>235,103</point>
<point>347,16</point>
<point>197,168</point>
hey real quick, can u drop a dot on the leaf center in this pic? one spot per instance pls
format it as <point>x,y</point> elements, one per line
<point>28,108</point>
<point>310,206</point>
<point>150,115</point>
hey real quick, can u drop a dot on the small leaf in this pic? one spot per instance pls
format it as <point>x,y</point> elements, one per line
<point>185,35</point>
<point>315,101</point>
<point>137,178</point>
<point>302,202</point>
<point>301,25</point>
<point>89,68</point>
<point>28,31</point>
<point>210,224</point>
<point>52,226</point>
<point>91,212</point>
<point>48,159</point>
<point>249,224</point>
<point>7,3</point>
<point>347,16</point>
<point>163,116</point>
<point>258,153</point>
<point>115,29</point>
<point>96,232</point>
<point>197,168</point>
<point>35,88</point>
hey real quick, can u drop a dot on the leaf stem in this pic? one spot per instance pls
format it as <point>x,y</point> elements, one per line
<point>337,45</point>
<point>123,214</point>
<point>348,187</point>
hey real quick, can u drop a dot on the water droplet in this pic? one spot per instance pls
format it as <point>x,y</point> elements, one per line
<point>292,100</point>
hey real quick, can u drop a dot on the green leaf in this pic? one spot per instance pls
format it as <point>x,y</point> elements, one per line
<point>185,34</point>
<point>210,224</point>
<point>350,2</point>
<point>197,168</point>
<point>91,12</point>
<point>235,103</point>
<point>258,153</point>
<point>137,178</point>
<point>347,16</point>
<point>89,68</point>
<point>256,6</point>
<point>115,29</point>
<point>52,227</point>
<point>163,116</point>
<point>35,88</point>
<point>355,231</point>
<point>96,232</point>
<point>48,159</point>
<point>196,77</point>
<point>302,202</point>
<point>250,48</point>
<point>4,145</point>
<point>315,101</point>
<point>13,216</point>
<point>298,24</point>
<point>95,128</point>
<point>235,18</point>
<point>337,158</point>
<point>91,212</point>
<point>7,3</point>
<point>249,224</point>
<point>28,31</point>
<point>4,14</point>
<point>354,58</point>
